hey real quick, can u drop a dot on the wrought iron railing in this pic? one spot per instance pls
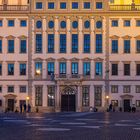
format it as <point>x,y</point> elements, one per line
<point>14,7</point>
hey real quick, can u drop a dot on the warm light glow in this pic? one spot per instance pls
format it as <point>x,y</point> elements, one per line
<point>38,72</point>
<point>107,97</point>
<point>27,98</point>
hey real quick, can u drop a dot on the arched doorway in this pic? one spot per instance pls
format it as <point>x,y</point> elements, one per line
<point>68,99</point>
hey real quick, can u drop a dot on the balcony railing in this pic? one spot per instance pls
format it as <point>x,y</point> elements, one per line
<point>124,7</point>
<point>14,7</point>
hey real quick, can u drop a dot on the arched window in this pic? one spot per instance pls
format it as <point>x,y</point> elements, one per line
<point>51,24</point>
<point>63,24</point>
<point>75,24</point>
<point>99,24</point>
<point>39,24</point>
<point>86,24</point>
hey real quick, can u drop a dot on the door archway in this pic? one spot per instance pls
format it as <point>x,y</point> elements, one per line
<point>68,99</point>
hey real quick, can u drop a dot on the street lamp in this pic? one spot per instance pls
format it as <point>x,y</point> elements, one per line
<point>38,71</point>
<point>28,98</point>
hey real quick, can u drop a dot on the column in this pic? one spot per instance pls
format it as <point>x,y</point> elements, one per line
<point>80,46</point>
<point>57,99</point>
<point>56,34</point>
<point>68,34</point>
<point>79,99</point>
<point>44,35</point>
<point>80,67</point>
<point>91,95</point>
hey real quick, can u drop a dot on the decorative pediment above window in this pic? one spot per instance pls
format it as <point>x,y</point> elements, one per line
<point>98,59</point>
<point>38,59</point>
<point>74,59</point>
<point>50,59</point>
<point>114,37</point>
<point>22,37</point>
<point>127,96</point>
<point>126,37</point>
<point>86,59</point>
<point>62,59</point>
<point>10,37</point>
<point>137,37</point>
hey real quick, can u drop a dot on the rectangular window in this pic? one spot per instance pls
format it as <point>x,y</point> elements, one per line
<point>23,44</point>
<point>86,43</point>
<point>98,96</point>
<point>138,89</point>
<point>98,43</point>
<point>50,5</point>
<point>114,23</point>
<point>39,5</point>
<point>51,96</point>
<point>23,23</point>
<point>38,95</point>
<point>74,43</point>
<point>50,43</point>
<point>38,68</point>
<point>138,46</point>
<point>1,23</point>
<point>63,43</point>
<point>62,68</point>
<point>114,46</point>
<point>99,5</point>
<point>137,103</point>
<point>75,5</point>
<point>22,69</point>
<point>114,69</point>
<point>138,23</point>
<point>0,46</point>
<point>50,68</point>
<point>127,46</point>
<point>0,103</point>
<point>11,23</point>
<point>11,46</point>
<point>114,103</point>
<point>137,69</point>
<point>10,69</point>
<point>126,69</point>
<point>85,97</point>
<point>74,68</point>
<point>127,23</point>
<point>86,66</point>
<point>0,69</point>
<point>22,89</point>
<point>98,69</point>
<point>126,89</point>
<point>63,5</point>
<point>86,5</point>
<point>10,89</point>
<point>114,89</point>
<point>38,43</point>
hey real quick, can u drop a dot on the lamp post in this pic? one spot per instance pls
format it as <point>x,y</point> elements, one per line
<point>27,98</point>
<point>107,101</point>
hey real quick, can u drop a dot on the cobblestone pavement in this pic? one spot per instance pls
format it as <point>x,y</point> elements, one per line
<point>70,126</point>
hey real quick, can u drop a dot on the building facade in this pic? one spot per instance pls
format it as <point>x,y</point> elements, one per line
<point>69,55</point>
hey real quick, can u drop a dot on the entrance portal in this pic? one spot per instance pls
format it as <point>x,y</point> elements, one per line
<point>126,105</point>
<point>11,104</point>
<point>68,100</point>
